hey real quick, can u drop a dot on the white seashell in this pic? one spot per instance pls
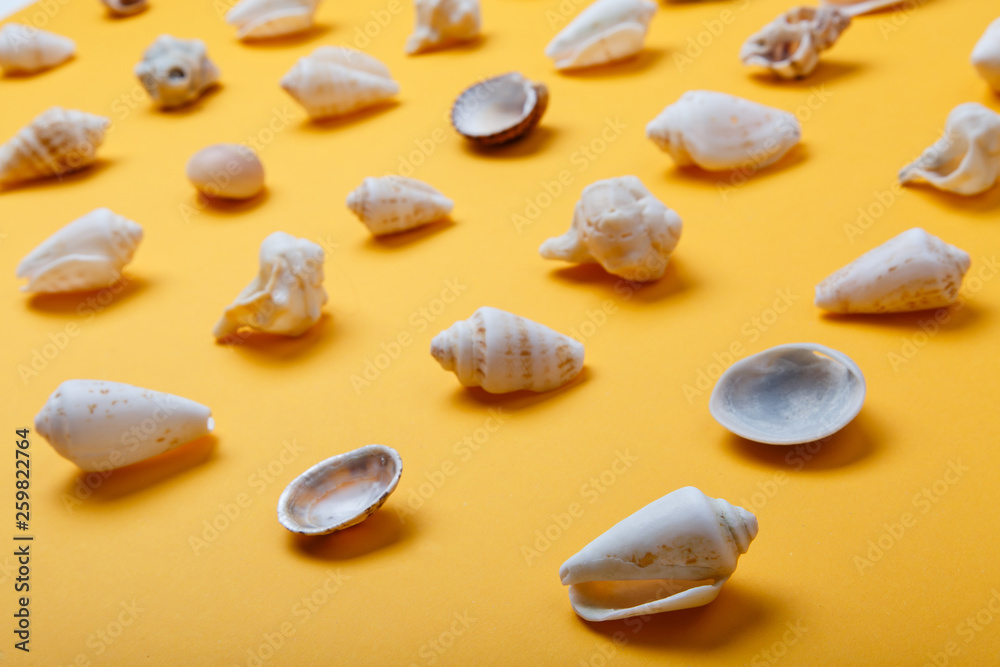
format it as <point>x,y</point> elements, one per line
<point>341,491</point>
<point>56,142</point>
<point>287,294</point>
<point>260,19</point>
<point>26,50</point>
<point>986,55</point>
<point>789,394</point>
<point>393,204</point>
<point>105,425</point>
<point>859,7</point>
<point>790,45</point>
<point>622,226</point>
<point>604,32</point>
<point>442,23</point>
<point>674,553</point>
<point>500,109</point>
<point>336,80</point>
<point>502,352</point>
<point>125,7</point>
<point>227,171</point>
<point>966,160</point>
<point>176,71</point>
<point>717,131</point>
<point>912,271</point>
<point>88,253</point>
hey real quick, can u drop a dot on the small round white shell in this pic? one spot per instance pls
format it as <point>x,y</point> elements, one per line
<point>226,171</point>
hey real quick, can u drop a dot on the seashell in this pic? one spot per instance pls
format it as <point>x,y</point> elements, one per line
<point>442,23</point>
<point>912,271</point>
<point>125,7</point>
<point>260,19</point>
<point>986,55</point>
<point>859,7</point>
<point>88,253</point>
<point>718,132</point>
<point>393,204</point>
<point>789,394</point>
<point>790,45</point>
<point>498,110</point>
<point>674,553</point>
<point>341,491</point>
<point>176,71</point>
<point>105,425</point>
<point>606,31</point>
<point>26,50</point>
<point>622,226</point>
<point>335,81</point>
<point>227,171</point>
<point>502,352</point>
<point>56,142</point>
<point>287,294</point>
<point>966,160</point>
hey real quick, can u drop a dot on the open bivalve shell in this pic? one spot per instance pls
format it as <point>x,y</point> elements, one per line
<point>789,394</point>
<point>501,109</point>
<point>58,141</point>
<point>176,71</point>
<point>859,7</point>
<point>26,50</point>
<point>790,45</point>
<point>675,553</point>
<point>986,55</point>
<point>341,491</point>
<point>261,19</point>
<point>606,31</point>
<point>336,81</point>
<point>125,7</point>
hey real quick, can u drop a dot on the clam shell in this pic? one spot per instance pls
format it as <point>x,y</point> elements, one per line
<point>986,55</point>
<point>125,7</point>
<point>26,50</point>
<point>176,71</point>
<point>227,171</point>
<point>335,81</point>
<point>441,23</point>
<point>789,394</point>
<point>341,491</point>
<point>606,31</point>
<point>391,204</point>
<point>790,45</point>
<point>500,109</point>
<point>261,19</point>
<point>57,142</point>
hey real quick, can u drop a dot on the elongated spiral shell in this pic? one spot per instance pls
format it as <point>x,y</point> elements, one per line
<point>57,142</point>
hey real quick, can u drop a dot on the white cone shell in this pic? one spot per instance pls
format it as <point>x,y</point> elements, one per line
<point>104,425</point>
<point>287,295</point>
<point>604,32</point>
<point>912,271</point>
<point>391,204</point>
<point>790,45</point>
<point>685,542</point>
<point>442,23</point>
<point>88,253</point>
<point>26,50</point>
<point>176,71</point>
<point>335,81</point>
<point>57,142</point>
<point>986,55</point>
<point>261,19</point>
<point>503,352</point>
<point>718,132</point>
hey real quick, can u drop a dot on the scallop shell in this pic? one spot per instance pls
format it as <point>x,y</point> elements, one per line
<point>500,109</point>
<point>675,553</point>
<point>622,226</point>
<point>442,23</point>
<point>26,50</point>
<point>176,71</point>
<point>859,7</point>
<point>57,142</point>
<point>393,204</point>
<point>986,55</point>
<point>789,394</point>
<point>966,160</point>
<point>261,19</point>
<point>790,45</point>
<point>125,7</point>
<point>341,491</point>
<point>606,31</point>
<point>105,425</point>
<point>718,132</point>
<point>336,80</point>
<point>227,171</point>
<point>502,352</point>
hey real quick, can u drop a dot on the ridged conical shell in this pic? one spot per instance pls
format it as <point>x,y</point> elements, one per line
<point>26,50</point>
<point>261,19</point>
<point>176,71</point>
<point>57,142</point>
<point>442,23</point>
<point>500,109</point>
<point>790,45</point>
<point>391,204</point>
<point>335,81</point>
<point>604,32</point>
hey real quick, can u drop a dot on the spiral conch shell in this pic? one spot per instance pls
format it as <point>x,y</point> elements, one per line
<point>790,45</point>
<point>502,352</point>
<point>26,50</point>
<point>88,253</point>
<point>675,553</point>
<point>287,294</point>
<point>261,19</point>
<point>606,31</point>
<point>442,23</point>
<point>56,142</point>
<point>986,55</point>
<point>391,204</point>
<point>622,226</point>
<point>966,160</point>
<point>336,80</point>
<point>176,71</point>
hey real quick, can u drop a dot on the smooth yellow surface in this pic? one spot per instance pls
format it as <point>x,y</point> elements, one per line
<point>469,577</point>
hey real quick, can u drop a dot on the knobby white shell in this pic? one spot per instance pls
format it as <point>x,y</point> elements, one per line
<point>622,226</point>
<point>986,55</point>
<point>105,425</point>
<point>717,131</point>
<point>391,204</point>
<point>912,271</point>
<point>287,294</point>
<point>228,171</point>
<point>125,7</point>
<point>789,394</point>
<point>26,50</point>
<point>674,553</point>
<point>442,23</point>
<point>341,491</point>
<point>260,19</point>
<point>336,80</point>
<point>56,142</point>
<point>858,7</point>
<point>500,109</point>
<point>88,253</point>
<point>176,71</point>
<point>502,352</point>
<point>790,45</point>
<point>604,32</point>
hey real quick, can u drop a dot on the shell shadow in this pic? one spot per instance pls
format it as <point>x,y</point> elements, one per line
<point>673,281</point>
<point>194,106</point>
<point>78,176</point>
<point>111,16</point>
<point>390,242</point>
<point>637,64</point>
<point>359,116</point>
<point>984,201</point>
<point>848,446</point>
<point>282,349</point>
<point>531,143</point>
<point>315,31</point>
<point>477,397</point>
<point>949,318</point>
<point>467,46</point>
<point>227,208</point>
<point>379,531</point>
<point>90,301</point>
<point>826,72</point>
<point>736,178</point>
